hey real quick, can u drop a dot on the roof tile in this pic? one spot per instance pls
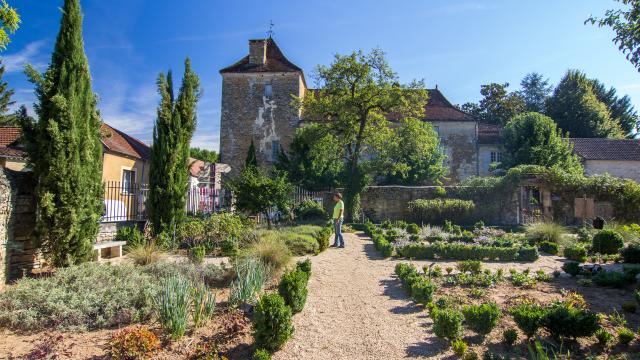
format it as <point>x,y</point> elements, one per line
<point>606,149</point>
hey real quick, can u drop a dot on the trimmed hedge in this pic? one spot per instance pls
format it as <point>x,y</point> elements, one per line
<point>382,245</point>
<point>293,289</point>
<point>577,252</point>
<point>607,242</point>
<point>438,210</point>
<point>631,254</point>
<point>272,325</point>
<point>455,251</point>
<point>323,237</point>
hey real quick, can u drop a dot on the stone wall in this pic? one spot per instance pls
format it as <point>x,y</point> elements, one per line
<point>621,169</point>
<point>18,253</point>
<point>248,115</point>
<point>459,140</point>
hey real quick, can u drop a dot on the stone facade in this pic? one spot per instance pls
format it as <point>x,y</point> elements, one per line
<point>459,140</point>
<point>618,168</point>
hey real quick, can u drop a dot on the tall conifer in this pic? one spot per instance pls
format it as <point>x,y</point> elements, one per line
<point>64,148</point>
<point>169,171</point>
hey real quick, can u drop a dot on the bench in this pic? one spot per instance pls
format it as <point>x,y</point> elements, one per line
<point>111,245</point>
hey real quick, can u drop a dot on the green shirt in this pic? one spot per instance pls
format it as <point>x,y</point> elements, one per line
<point>336,210</point>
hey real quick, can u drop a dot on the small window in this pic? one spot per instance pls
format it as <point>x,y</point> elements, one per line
<point>128,179</point>
<point>275,150</point>
<point>496,157</point>
<point>268,91</point>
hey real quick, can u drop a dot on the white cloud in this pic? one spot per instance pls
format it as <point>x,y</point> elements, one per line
<point>206,140</point>
<point>30,54</point>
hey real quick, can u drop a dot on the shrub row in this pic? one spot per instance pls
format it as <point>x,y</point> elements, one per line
<point>455,251</point>
<point>436,211</point>
<point>382,245</point>
<point>419,287</point>
<point>560,319</point>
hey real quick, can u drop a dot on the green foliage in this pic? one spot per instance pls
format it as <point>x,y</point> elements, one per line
<point>256,192</point>
<point>457,251</point>
<point>631,254</point>
<point>64,146</point>
<point>9,23</point>
<point>169,169</point>
<point>6,102</point>
<point>497,106</point>
<point>577,110</point>
<point>208,156</point>
<point>261,354</point>
<point>535,91</point>
<point>356,93</point>
<point>300,240</point>
<point>615,279</point>
<point>203,303</point>
<point>131,235</point>
<point>438,210</point>
<point>607,242</point>
<point>482,318</point>
<point>565,319</point>
<point>625,336</point>
<point>173,306</point>
<point>510,336</point>
<point>310,210</point>
<point>56,302</point>
<point>271,323</point>
<point>293,289</point>
<point>422,290</point>
<point>585,235</point>
<point>196,254</point>
<point>270,250</point>
<point>133,342</point>
<point>528,317</point>
<point>382,245</point>
<point>534,139</point>
<point>545,231</point>
<point>145,254</point>
<point>323,237</point>
<point>251,275</point>
<point>572,268</point>
<point>549,247</point>
<point>620,108</point>
<point>576,252</point>
<point>304,266</point>
<point>528,253</point>
<point>210,274</point>
<point>471,266</point>
<point>447,323</point>
<point>229,247</point>
<point>604,337</point>
<point>413,229</point>
<point>459,347</point>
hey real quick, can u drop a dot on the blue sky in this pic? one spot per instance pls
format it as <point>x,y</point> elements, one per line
<point>457,45</point>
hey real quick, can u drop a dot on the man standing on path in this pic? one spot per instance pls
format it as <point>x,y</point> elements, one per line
<point>338,217</point>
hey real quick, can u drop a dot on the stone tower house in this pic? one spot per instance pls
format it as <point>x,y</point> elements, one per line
<point>256,96</point>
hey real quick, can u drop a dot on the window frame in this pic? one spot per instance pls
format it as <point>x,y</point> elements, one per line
<point>268,91</point>
<point>132,179</point>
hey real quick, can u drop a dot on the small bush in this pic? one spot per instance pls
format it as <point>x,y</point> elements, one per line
<point>459,347</point>
<point>261,354</point>
<point>575,252</point>
<point>549,247</point>
<point>413,229</point>
<point>271,251</point>
<point>133,343</point>
<point>510,336</point>
<point>229,247</point>
<point>631,254</point>
<point>173,306</point>
<point>196,254</point>
<point>545,231</point>
<point>323,237</point>
<point>304,266</point>
<point>309,210</point>
<point>447,323</point>
<point>528,317</point>
<point>629,306</point>
<point>293,289</point>
<point>604,337</point>
<point>585,235</point>
<point>131,235</point>
<point>145,254</point>
<point>422,291</point>
<point>382,245</point>
<point>625,336</point>
<point>572,268</point>
<point>528,253</point>
<point>435,211</point>
<point>564,319</point>
<point>471,266</point>
<point>271,323</point>
<point>615,279</point>
<point>607,242</point>
<point>482,318</point>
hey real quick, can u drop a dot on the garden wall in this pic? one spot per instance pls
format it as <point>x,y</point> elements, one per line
<point>18,255</point>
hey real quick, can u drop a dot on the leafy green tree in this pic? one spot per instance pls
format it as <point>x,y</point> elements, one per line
<point>625,22</point>
<point>169,170</point>
<point>535,91</point>
<point>251,160</point>
<point>577,110</point>
<point>204,155</point>
<point>357,93</point>
<point>497,106</point>
<point>6,102</point>
<point>64,148</point>
<point>315,160</point>
<point>620,108</point>
<point>534,139</point>
<point>414,157</point>
<point>9,23</point>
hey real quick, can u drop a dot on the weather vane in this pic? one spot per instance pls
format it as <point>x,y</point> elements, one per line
<point>270,32</point>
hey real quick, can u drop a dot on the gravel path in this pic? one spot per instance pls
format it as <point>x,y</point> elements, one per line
<point>356,309</point>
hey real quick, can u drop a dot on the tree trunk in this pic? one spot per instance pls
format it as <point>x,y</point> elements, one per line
<point>266,214</point>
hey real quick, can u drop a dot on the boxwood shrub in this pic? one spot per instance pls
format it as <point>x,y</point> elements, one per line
<point>549,247</point>
<point>422,290</point>
<point>271,323</point>
<point>607,242</point>
<point>447,323</point>
<point>576,252</point>
<point>631,254</point>
<point>293,289</point>
<point>528,253</point>
<point>382,245</point>
<point>436,211</point>
<point>456,251</point>
<point>482,318</point>
<point>528,317</point>
<point>563,319</point>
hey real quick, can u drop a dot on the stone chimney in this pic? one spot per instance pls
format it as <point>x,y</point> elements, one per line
<point>257,52</point>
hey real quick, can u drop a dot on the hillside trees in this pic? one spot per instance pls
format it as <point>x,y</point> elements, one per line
<point>64,148</point>
<point>172,133</point>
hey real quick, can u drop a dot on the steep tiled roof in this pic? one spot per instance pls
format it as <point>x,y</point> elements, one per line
<point>276,62</point>
<point>117,141</point>
<point>9,135</point>
<point>606,149</point>
<point>440,109</point>
<point>489,134</point>
<point>10,152</point>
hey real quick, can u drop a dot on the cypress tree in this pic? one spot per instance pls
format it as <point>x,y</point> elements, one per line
<point>64,148</point>
<point>169,170</point>
<point>251,161</point>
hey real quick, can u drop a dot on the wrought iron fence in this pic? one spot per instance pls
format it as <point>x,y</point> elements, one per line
<point>300,195</point>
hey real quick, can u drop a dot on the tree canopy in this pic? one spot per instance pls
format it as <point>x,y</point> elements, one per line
<point>9,23</point>
<point>497,106</point>
<point>534,139</point>
<point>577,110</point>
<point>204,155</point>
<point>6,119</point>
<point>64,148</point>
<point>535,91</point>
<point>620,108</point>
<point>357,94</point>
